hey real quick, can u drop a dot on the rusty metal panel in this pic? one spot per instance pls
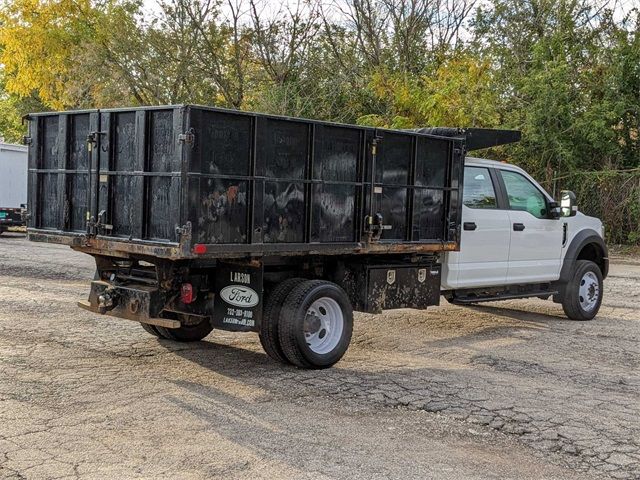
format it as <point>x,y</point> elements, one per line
<point>395,154</point>
<point>218,184</point>
<point>222,211</point>
<point>282,154</point>
<point>125,188</point>
<point>336,153</point>
<point>241,183</point>
<point>163,188</point>
<point>49,158</point>
<point>391,202</point>
<point>283,148</point>
<point>432,162</point>
<point>49,209</point>
<point>337,188</point>
<point>77,177</point>
<point>334,212</point>
<point>284,212</point>
<point>224,144</point>
<point>428,214</point>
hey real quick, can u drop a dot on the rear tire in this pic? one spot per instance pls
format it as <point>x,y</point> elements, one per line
<point>188,332</point>
<point>316,323</point>
<point>583,293</point>
<point>151,329</point>
<point>269,328</point>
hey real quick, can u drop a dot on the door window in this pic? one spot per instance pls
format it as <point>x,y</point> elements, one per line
<point>523,195</point>
<point>478,188</point>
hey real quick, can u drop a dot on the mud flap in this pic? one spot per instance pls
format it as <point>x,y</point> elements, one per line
<point>239,291</point>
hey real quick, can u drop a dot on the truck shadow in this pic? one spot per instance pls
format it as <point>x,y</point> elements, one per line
<point>527,315</point>
<point>220,357</point>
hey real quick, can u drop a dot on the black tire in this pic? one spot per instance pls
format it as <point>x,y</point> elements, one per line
<point>269,328</point>
<point>150,329</point>
<point>187,332</point>
<point>573,303</point>
<point>293,318</point>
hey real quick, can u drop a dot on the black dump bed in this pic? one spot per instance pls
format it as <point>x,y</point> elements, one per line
<point>186,181</point>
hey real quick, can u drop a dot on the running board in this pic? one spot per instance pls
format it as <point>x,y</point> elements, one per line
<point>507,296</point>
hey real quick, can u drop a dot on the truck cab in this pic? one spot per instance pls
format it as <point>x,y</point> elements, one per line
<point>516,242</point>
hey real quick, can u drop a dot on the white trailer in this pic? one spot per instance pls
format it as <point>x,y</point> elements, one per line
<point>13,185</point>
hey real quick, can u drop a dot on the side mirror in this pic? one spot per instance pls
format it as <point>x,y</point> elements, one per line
<point>568,204</point>
<point>554,210</point>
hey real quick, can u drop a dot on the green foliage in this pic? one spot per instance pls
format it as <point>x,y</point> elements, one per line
<point>458,91</point>
<point>565,72</point>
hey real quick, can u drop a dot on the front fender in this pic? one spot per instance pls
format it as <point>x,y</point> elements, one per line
<point>583,238</point>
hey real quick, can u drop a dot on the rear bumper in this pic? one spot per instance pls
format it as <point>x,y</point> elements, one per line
<point>159,322</point>
<point>140,303</point>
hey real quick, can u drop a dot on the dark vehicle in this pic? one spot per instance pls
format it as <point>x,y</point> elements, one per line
<point>201,218</point>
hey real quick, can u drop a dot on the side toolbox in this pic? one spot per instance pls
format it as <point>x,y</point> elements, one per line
<point>386,287</point>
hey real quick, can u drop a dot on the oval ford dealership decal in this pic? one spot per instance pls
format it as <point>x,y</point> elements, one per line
<point>239,296</point>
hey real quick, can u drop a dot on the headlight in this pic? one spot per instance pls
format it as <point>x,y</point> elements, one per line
<point>602,229</point>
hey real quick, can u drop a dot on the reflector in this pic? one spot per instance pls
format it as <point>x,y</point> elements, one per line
<point>186,293</point>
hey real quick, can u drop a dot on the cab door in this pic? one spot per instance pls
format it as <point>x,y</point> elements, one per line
<point>484,243</point>
<point>536,238</point>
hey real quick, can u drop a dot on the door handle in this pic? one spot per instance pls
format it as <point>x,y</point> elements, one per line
<point>518,227</point>
<point>470,225</point>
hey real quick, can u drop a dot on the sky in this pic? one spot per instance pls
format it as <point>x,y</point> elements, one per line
<point>622,7</point>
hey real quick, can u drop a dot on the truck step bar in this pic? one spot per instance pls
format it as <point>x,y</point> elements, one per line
<point>469,299</point>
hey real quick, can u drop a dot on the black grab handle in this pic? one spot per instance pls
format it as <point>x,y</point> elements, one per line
<point>470,226</point>
<point>518,227</point>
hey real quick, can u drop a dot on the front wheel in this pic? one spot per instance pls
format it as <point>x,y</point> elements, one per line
<point>583,293</point>
<point>315,324</point>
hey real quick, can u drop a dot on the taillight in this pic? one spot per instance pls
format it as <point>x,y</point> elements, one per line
<point>199,249</point>
<point>186,293</point>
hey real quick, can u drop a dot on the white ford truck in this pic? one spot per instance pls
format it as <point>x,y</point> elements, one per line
<point>518,242</point>
<point>201,218</point>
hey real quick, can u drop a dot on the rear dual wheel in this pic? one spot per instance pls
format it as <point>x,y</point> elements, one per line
<point>307,323</point>
<point>270,329</point>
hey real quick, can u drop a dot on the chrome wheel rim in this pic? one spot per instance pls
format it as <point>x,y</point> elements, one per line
<point>323,325</point>
<point>589,291</point>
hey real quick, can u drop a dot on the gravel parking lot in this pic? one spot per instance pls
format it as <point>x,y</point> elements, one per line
<point>505,390</point>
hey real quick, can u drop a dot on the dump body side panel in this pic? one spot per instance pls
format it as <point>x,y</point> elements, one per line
<point>158,181</point>
<point>59,177</point>
<point>274,183</point>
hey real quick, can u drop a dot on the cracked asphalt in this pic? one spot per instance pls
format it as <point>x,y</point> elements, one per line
<point>504,390</point>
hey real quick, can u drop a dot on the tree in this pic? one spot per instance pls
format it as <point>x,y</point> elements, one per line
<point>38,42</point>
